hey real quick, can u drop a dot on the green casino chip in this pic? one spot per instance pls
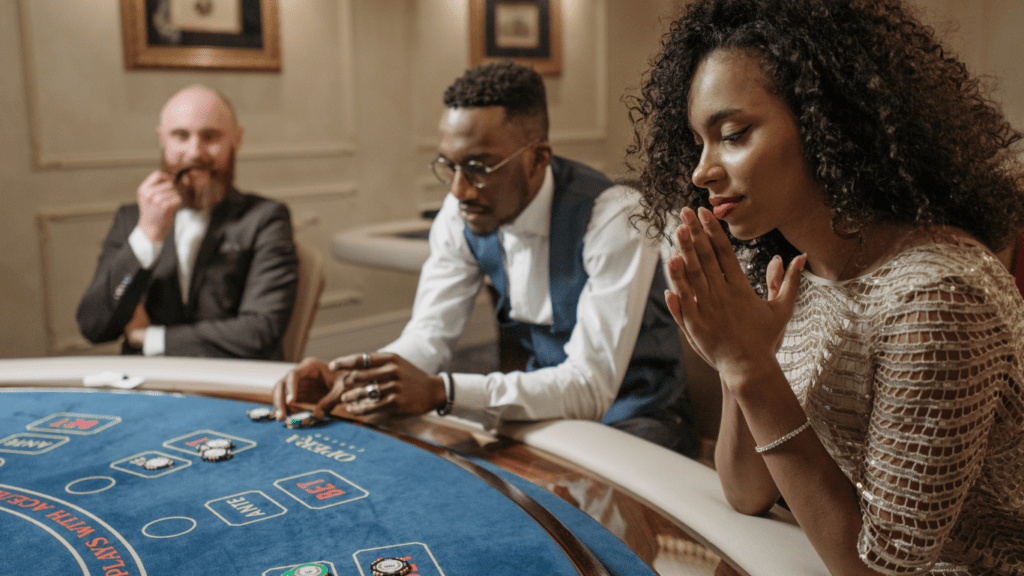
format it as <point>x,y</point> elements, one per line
<point>307,570</point>
<point>301,420</point>
<point>390,567</point>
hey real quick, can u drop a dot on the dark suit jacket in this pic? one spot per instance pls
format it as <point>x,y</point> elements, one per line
<point>241,292</point>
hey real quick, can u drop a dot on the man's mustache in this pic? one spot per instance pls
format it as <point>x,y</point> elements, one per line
<point>181,172</point>
<point>471,206</point>
<point>185,170</point>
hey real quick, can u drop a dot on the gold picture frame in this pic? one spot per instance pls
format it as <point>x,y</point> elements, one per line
<point>204,34</point>
<point>528,32</point>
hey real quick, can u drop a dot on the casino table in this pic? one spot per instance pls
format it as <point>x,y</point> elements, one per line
<point>111,478</point>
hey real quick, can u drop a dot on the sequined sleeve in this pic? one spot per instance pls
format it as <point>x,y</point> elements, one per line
<point>940,351</point>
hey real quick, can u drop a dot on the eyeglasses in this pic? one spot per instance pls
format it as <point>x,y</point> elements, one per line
<point>475,172</point>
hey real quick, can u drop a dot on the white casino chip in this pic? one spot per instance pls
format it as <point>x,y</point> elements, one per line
<point>222,443</point>
<point>310,570</point>
<point>157,463</point>
<point>259,414</point>
<point>216,454</point>
<point>300,420</point>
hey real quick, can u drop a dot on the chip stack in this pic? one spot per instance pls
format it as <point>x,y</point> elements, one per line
<point>261,414</point>
<point>158,463</point>
<point>301,420</point>
<point>308,570</point>
<point>390,567</point>
<point>216,450</point>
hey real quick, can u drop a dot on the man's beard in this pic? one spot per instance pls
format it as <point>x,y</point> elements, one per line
<point>208,195</point>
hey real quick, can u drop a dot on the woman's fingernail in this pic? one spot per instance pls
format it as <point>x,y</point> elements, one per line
<point>704,214</point>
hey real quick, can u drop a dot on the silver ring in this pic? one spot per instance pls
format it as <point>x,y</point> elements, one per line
<point>366,360</point>
<point>372,392</point>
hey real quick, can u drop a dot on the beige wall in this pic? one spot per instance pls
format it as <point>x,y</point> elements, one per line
<point>343,134</point>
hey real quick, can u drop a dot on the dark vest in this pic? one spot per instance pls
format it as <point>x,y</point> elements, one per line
<point>655,377</point>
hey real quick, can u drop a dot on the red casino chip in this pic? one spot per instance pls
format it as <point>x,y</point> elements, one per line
<point>390,567</point>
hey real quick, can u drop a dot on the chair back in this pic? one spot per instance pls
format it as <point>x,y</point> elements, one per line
<point>312,278</point>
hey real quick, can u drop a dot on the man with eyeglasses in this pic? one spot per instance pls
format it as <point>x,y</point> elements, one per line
<point>577,286</point>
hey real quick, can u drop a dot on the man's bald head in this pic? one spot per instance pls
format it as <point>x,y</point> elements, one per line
<point>198,132</point>
<point>198,98</point>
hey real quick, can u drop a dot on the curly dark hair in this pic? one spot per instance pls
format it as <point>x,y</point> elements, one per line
<point>894,128</point>
<point>518,89</point>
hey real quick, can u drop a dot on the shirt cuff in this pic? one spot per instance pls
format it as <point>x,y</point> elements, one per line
<point>471,398</point>
<point>145,249</point>
<point>153,342</point>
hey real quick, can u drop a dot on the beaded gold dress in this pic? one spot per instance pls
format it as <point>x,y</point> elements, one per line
<point>911,377</point>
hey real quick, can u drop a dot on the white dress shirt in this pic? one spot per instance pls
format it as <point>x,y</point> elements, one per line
<point>620,262</point>
<point>189,228</point>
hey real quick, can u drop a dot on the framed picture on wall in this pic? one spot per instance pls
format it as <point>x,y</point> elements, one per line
<point>209,34</point>
<point>526,31</point>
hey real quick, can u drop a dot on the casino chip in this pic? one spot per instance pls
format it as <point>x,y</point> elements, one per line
<point>216,443</point>
<point>301,420</point>
<point>390,567</point>
<point>157,463</point>
<point>260,414</point>
<point>215,454</point>
<point>307,570</point>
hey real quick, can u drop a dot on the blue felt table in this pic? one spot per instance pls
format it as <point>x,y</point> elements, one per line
<point>75,498</point>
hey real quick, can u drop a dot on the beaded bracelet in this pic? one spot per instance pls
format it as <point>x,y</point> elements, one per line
<point>784,439</point>
<point>449,395</point>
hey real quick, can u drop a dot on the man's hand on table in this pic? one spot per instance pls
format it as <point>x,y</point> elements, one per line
<point>403,388</point>
<point>309,382</point>
<point>381,382</point>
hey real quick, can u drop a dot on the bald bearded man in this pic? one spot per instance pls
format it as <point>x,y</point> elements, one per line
<point>195,267</point>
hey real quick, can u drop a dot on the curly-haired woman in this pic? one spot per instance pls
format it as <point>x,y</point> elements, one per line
<point>870,345</point>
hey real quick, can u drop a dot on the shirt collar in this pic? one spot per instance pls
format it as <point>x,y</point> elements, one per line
<point>536,217</point>
<point>189,219</point>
